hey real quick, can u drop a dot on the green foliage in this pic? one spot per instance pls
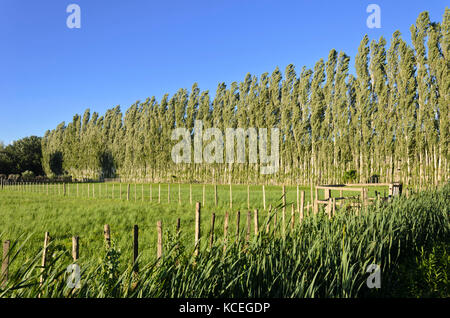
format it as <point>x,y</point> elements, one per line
<point>22,155</point>
<point>108,275</point>
<point>391,120</point>
<point>28,175</point>
<point>350,176</point>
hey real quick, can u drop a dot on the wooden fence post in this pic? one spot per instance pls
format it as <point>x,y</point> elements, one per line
<point>128,192</point>
<point>197,227</point>
<point>329,207</point>
<point>5,262</point>
<point>107,235</point>
<point>249,219</point>
<point>215,194</point>
<point>44,258</point>
<point>225,231</point>
<point>75,248</point>
<point>159,247</point>
<point>211,235</point>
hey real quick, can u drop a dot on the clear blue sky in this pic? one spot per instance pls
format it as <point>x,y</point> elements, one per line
<point>129,50</point>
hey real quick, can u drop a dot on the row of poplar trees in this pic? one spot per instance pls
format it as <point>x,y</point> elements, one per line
<point>390,119</point>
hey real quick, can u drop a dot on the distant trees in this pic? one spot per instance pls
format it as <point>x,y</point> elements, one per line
<point>390,120</point>
<point>22,155</point>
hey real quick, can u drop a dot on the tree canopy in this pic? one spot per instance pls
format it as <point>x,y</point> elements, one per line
<point>389,119</point>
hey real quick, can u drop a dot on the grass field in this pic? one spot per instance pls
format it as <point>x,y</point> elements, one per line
<point>317,253</point>
<point>33,212</point>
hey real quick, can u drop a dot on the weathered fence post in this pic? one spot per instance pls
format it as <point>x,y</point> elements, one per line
<point>225,231</point>
<point>215,194</point>
<point>128,192</point>
<point>75,248</point>
<point>329,207</point>
<point>249,219</point>
<point>44,258</point>
<point>159,247</point>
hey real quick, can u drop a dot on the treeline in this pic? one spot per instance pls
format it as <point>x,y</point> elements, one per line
<point>391,120</point>
<point>22,158</point>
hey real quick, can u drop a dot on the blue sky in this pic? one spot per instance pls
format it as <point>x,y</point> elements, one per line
<point>130,50</point>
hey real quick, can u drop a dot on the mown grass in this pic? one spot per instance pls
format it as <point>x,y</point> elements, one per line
<point>319,258</point>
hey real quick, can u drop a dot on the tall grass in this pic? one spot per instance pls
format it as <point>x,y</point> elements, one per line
<point>321,257</point>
